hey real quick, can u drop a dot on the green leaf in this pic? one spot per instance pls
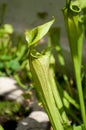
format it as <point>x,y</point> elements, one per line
<point>20,52</point>
<point>8,28</point>
<point>1,65</point>
<point>13,64</point>
<point>1,128</point>
<point>40,71</point>
<point>5,57</point>
<point>80,127</point>
<point>37,33</point>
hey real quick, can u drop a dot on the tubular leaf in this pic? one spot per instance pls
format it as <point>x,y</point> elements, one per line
<point>75,29</point>
<point>40,72</point>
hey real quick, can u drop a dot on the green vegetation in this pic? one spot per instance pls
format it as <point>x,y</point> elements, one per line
<point>13,55</point>
<point>12,110</point>
<point>64,102</point>
<point>59,102</point>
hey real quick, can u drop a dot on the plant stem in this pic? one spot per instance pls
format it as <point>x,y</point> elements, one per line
<point>80,92</point>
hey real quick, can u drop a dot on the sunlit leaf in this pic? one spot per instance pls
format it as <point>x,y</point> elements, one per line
<point>80,127</point>
<point>40,71</point>
<point>37,33</point>
<point>1,128</point>
<point>8,28</point>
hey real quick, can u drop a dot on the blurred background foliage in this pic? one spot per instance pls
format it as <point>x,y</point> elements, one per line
<point>14,64</point>
<point>13,56</point>
<point>13,53</point>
